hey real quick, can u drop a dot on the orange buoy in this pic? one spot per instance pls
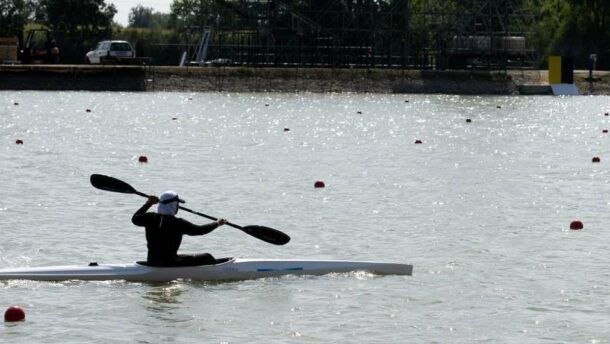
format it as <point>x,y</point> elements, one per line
<point>576,225</point>
<point>595,159</point>
<point>14,313</point>
<point>143,159</point>
<point>319,184</point>
<point>418,142</point>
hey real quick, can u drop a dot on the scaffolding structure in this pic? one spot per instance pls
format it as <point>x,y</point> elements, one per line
<point>414,34</point>
<point>490,34</point>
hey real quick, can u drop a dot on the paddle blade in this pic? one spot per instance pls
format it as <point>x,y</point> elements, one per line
<point>270,235</point>
<point>107,183</point>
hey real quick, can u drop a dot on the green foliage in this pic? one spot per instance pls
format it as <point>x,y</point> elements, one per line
<point>434,16</point>
<point>199,13</point>
<point>78,24</point>
<point>146,17</point>
<point>86,16</point>
<point>13,16</point>
<point>574,28</point>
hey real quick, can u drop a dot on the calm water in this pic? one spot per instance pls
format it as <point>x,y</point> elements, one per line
<point>480,209</point>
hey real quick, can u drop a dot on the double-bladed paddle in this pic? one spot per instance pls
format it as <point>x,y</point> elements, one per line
<point>267,234</point>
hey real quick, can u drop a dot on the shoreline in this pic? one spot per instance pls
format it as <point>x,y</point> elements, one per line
<point>315,80</point>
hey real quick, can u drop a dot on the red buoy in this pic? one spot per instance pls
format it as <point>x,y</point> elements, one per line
<point>595,159</point>
<point>286,129</point>
<point>14,313</point>
<point>605,131</point>
<point>143,159</point>
<point>418,142</point>
<point>19,141</point>
<point>319,184</point>
<point>576,225</point>
<point>606,114</point>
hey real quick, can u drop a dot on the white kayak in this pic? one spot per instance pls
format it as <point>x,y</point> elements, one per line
<point>227,269</point>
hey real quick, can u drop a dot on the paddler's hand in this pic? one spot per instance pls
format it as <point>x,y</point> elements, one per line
<point>152,200</point>
<point>221,222</point>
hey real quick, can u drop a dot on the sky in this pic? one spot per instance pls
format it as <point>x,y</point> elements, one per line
<point>124,7</point>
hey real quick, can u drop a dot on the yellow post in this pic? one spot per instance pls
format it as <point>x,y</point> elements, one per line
<point>554,70</point>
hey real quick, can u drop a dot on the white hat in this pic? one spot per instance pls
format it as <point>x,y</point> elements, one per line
<point>168,203</point>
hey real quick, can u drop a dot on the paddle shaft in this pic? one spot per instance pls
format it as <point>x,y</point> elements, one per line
<point>195,212</point>
<point>270,235</point>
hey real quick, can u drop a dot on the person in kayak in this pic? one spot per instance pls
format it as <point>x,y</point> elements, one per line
<point>164,232</point>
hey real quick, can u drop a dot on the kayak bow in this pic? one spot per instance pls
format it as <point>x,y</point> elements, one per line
<point>227,269</point>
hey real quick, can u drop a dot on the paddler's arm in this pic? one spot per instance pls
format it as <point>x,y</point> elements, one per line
<point>192,229</point>
<point>137,218</point>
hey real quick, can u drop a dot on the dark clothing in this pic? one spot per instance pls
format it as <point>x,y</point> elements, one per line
<point>164,235</point>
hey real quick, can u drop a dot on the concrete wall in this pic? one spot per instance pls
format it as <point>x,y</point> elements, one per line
<point>240,79</point>
<point>244,79</point>
<point>67,77</point>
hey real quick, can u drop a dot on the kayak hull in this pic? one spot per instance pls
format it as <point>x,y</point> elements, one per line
<point>231,269</point>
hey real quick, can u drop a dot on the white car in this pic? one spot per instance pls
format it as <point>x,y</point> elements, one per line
<point>110,51</point>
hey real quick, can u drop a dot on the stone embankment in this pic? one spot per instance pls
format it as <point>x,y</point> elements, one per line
<point>244,79</point>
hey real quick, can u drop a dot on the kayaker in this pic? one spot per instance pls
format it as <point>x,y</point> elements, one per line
<point>164,232</point>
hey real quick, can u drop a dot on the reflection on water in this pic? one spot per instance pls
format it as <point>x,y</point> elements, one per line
<point>179,301</point>
<point>163,299</point>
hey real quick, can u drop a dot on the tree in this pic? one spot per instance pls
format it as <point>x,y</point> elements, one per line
<point>77,15</point>
<point>78,24</point>
<point>573,28</point>
<point>141,16</point>
<point>591,19</point>
<point>13,17</point>
<point>145,17</point>
<point>185,13</point>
